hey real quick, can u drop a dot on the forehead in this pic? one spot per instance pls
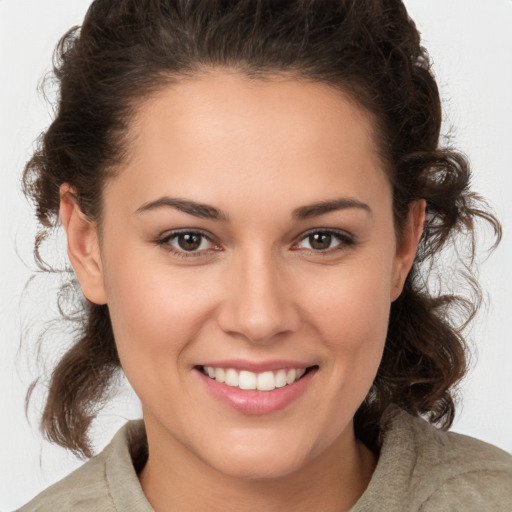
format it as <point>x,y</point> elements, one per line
<point>204,137</point>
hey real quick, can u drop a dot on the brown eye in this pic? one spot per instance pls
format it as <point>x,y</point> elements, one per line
<point>327,241</point>
<point>320,241</point>
<point>189,241</point>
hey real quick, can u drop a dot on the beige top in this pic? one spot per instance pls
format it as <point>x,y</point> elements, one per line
<point>419,469</point>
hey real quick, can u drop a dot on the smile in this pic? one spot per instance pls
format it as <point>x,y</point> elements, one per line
<point>247,380</point>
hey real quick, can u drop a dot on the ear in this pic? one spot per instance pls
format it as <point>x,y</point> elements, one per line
<point>407,246</point>
<point>83,246</point>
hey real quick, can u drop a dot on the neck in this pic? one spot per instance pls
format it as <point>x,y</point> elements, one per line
<point>175,480</point>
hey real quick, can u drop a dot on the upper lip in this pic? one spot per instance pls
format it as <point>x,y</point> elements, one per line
<point>257,366</point>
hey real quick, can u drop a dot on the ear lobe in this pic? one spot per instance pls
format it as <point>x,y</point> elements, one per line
<point>83,246</point>
<point>408,245</point>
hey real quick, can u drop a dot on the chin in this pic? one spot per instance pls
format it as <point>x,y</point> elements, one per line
<point>259,467</point>
<point>259,457</point>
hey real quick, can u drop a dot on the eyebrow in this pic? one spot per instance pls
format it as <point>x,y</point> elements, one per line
<point>207,211</point>
<point>194,208</point>
<point>323,207</point>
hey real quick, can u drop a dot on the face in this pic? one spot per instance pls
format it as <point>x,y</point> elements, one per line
<point>249,239</point>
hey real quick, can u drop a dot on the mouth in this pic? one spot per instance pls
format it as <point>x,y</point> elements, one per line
<point>256,381</point>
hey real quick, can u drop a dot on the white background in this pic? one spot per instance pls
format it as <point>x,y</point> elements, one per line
<point>471,45</point>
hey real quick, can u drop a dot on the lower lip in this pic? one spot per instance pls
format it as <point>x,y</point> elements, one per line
<point>258,402</point>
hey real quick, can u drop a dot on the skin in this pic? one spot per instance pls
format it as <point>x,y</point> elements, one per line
<point>257,151</point>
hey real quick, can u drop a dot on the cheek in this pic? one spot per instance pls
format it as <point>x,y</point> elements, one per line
<point>155,312</point>
<point>355,300</point>
<point>156,317</point>
<point>350,312</point>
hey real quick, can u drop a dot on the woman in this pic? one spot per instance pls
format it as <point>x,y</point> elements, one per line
<point>250,191</point>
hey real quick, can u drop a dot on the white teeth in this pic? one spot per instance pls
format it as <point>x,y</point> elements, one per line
<point>231,378</point>
<point>265,381</point>
<point>281,378</point>
<point>247,380</point>
<point>290,376</point>
<point>219,374</point>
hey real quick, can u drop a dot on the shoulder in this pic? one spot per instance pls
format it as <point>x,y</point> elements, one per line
<point>107,482</point>
<point>72,492</point>
<point>422,468</point>
<point>465,471</point>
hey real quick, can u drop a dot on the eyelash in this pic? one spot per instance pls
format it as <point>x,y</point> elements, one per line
<point>345,240</point>
<point>165,242</point>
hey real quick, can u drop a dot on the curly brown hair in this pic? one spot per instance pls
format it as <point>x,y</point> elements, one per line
<point>127,50</point>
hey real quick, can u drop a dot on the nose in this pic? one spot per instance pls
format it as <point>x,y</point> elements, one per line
<point>259,305</point>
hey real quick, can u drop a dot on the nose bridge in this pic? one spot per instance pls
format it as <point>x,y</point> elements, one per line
<point>259,305</point>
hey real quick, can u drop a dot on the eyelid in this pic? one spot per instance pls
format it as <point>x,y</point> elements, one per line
<point>164,241</point>
<point>180,231</point>
<point>346,239</point>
